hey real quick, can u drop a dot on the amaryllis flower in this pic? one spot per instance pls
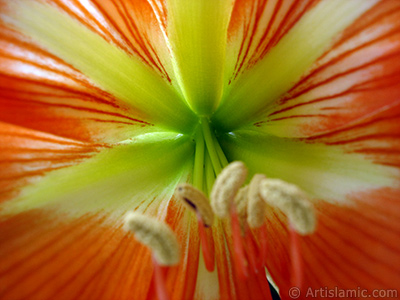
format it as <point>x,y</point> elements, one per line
<point>106,106</point>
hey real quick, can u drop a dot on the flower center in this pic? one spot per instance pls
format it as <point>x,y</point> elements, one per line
<point>209,157</point>
<point>243,207</point>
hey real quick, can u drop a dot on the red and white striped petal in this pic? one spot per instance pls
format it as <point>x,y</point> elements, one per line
<point>27,155</point>
<point>42,92</point>
<point>77,50</point>
<point>68,240</point>
<point>347,103</point>
<point>376,137</point>
<point>256,26</point>
<point>45,256</point>
<point>133,26</point>
<point>353,176</point>
<point>275,63</point>
<point>354,250</point>
<point>355,79</point>
<point>181,279</point>
<point>142,170</point>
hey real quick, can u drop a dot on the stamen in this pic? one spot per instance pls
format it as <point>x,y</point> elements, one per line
<point>163,243</point>
<point>207,246</point>
<point>292,201</point>
<point>156,235</point>
<point>295,258</point>
<point>263,237</point>
<point>256,206</point>
<point>223,193</point>
<point>196,201</point>
<point>241,205</point>
<point>159,281</point>
<point>239,257</point>
<point>226,187</point>
<point>252,253</point>
<point>240,202</point>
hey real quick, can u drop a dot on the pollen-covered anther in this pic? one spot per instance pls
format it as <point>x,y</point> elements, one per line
<point>226,187</point>
<point>156,235</point>
<point>256,206</point>
<point>197,201</point>
<point>292,201</point>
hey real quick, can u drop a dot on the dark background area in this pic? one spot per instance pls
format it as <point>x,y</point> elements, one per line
<point>274,293</point>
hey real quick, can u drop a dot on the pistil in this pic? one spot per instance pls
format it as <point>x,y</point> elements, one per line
<point>198,168</point>
<point>209,161</point>
<point>212,145</point>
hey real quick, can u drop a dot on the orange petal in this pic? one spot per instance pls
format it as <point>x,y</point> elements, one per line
<point>356,78</point>
<point>131,26</point>
<point>181,280</point>
<point>283,58</point>
<point>354,247</point>
<point>376,137</point>
<point>260,25</point>
<point>40,91</point>
<point>46,257</point>
<point>26,155</point>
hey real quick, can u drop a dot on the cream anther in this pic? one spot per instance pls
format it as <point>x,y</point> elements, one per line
<point>226,187</point>
<point>292,201</point>
<point>156,235</point>
<point>196,201</point>
<point>256,206</point>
